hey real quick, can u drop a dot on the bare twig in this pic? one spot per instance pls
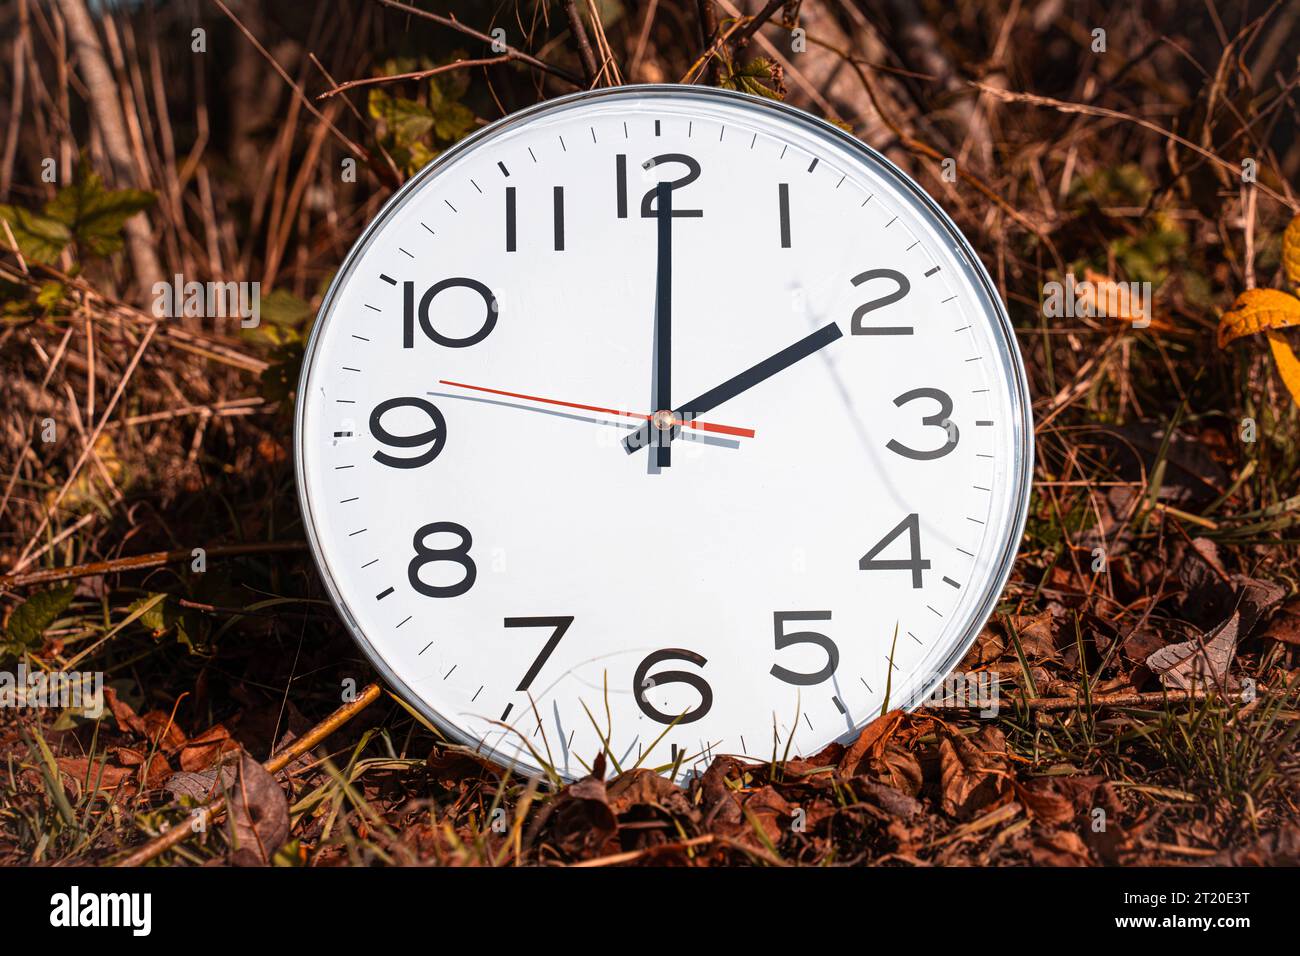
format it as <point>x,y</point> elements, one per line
<point>417,75</point>
<point>469,31</point>
<point>755,23</point>
<point>385,174</point>
<point>925,149</point>
<point>708,33</point>
<point>579,31</point>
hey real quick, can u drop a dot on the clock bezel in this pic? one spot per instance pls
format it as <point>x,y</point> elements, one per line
<point>1021,471</point>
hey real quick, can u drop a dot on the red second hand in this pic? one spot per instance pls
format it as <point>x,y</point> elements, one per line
<point>702,426</point>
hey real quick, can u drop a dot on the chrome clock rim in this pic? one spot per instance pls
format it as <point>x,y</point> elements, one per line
<point>1021,470</point>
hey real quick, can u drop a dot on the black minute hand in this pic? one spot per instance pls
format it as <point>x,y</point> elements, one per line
<point>742,382</point>
<point>664,319</point>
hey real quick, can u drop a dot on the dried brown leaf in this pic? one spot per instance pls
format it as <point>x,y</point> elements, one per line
<point>1200,662</point>
<point>259,814</point>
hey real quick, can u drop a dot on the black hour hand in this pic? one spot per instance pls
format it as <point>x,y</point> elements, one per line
<point>736,385</point>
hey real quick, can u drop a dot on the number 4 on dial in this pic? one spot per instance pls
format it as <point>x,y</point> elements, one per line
<point>916,564</point>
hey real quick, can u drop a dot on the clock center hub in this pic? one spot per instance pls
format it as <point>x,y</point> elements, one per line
<point>662,420</point>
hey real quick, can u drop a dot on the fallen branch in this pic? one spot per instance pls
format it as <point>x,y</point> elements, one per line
<point>154,559</point>
<point>1044,705</point>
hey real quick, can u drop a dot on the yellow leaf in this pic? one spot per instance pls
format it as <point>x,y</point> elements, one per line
<point>1257,310</point>
<point>1291,250</point>
<point>1105,297</point>
<point>1288,366</point>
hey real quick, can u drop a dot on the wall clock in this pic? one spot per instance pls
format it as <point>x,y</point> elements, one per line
<point>665,421</point>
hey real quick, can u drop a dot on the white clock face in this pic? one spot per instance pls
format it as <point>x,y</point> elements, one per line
<point>819,517</point>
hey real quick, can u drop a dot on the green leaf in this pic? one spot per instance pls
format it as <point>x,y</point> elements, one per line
<point>160,613</point>
<point>149,611</point>
<point>452,85</point>
<point>452,121</point>
<point>1123,185</point>
<point>29,621</point>
<point>285,317</point>
<point>753,78</point>
<point>50,295</point>
<point>40,238</point>
<point>404,120</point>
<point>96,215</point>
<point>279,379</point>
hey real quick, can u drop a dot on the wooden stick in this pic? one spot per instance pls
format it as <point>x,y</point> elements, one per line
<point>177,834</point>
<point>137,562</point>
<point>616,858</point>
<point>1051,704</point>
